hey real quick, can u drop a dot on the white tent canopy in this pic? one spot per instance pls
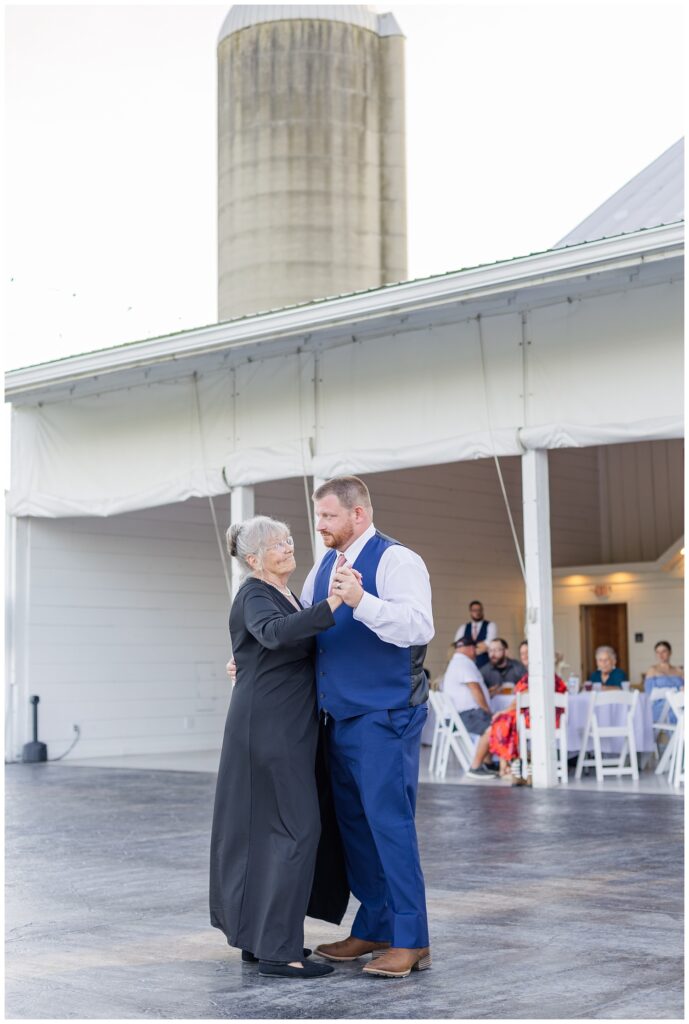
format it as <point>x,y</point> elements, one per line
<point>577,346</point>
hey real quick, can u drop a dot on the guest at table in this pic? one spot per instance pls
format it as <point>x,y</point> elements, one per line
<point>524,654</point>
<point>607,672</point>
<point>500,669</point>
<point>504,735</point>
<point>477,631</point>
<point>663,674</point>
<point>464,685</point>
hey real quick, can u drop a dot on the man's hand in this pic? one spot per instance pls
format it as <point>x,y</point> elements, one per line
<point>347,585</point>
<point>231,669</point>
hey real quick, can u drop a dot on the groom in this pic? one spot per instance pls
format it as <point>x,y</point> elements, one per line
<point>372,692</point>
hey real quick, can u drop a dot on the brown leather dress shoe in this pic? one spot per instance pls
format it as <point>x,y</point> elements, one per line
<point>399,963</point>
<point>349,949</point>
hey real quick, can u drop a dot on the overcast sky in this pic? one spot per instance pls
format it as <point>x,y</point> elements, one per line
<point>520,120</point>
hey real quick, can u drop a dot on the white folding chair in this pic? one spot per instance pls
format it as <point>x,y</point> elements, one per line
<point>439,730</point>
<point>450,736</point>
<point>561,701</point>
<point>595,731</point>
<point>676,771</point>
<point>663,725</point>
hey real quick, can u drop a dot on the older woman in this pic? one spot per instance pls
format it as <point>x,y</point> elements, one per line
<point>606,671</point>
<point>266,822</point>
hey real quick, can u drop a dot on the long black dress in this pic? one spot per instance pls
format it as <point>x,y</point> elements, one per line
<point>266,821</point>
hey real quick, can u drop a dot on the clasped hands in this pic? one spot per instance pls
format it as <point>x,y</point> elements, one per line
<point>347,585</point>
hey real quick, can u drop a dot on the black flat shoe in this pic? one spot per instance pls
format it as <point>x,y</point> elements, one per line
<point>309,969</point>
<point>249,958</point>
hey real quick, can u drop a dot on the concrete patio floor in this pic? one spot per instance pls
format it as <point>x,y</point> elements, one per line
<point>547,904</point>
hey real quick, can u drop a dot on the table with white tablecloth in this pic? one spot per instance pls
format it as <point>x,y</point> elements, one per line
<point>607,714</point>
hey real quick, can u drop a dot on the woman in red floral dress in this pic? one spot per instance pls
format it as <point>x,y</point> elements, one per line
<point>504,736</point>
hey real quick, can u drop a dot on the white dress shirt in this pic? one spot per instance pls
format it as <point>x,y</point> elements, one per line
<point>459,672</point>
<point>401,614</point>
<point>491,632</point>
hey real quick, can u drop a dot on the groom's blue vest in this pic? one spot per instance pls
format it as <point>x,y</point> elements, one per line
<point>355,671</point>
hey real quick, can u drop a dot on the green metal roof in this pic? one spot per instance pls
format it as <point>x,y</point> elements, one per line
<point>329,298</point>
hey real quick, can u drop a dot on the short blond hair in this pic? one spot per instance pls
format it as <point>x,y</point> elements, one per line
<point>349,491</point>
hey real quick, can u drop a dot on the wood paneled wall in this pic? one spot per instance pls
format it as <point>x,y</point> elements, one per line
<point>575,531</point>
<point>642,499</point>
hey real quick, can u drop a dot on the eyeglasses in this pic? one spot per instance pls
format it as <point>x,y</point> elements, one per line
<point>281,545</point>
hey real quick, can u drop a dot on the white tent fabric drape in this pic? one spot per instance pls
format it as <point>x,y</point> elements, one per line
<point>606,370</point>
<point>119,451</point>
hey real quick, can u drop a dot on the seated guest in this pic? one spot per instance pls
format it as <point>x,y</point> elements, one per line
<point>524,654</point>
<point>562,667</point>
<point>500,669</point>
<point>664,674</point>
<point>503,735</point>
<point>464,685</point>
<point>477,631</point>
<point>606,672</point>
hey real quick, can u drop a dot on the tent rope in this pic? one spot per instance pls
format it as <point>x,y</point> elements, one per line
<point>515,538</point>
<point>214,517</point>
<point>305,438</point>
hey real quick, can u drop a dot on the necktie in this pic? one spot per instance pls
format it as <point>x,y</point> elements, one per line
<point>474,630</point>
<point>338,565</point>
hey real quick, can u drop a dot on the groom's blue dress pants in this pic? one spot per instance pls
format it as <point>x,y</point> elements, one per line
<point>374,765</point>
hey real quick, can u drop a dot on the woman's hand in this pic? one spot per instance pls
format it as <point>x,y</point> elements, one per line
<point>231,669</point>
<point>347,585</point>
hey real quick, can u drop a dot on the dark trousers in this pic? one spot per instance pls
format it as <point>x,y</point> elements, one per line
<point>374,764</point>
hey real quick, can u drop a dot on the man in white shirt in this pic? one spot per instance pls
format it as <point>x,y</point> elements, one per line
<point>372,692</point>
<point>477,631</point>
<point>465,686</point>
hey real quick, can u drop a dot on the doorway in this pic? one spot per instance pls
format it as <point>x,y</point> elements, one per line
<point>603,624</point>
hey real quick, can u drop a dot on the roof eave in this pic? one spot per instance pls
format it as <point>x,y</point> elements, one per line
<point>568,263</point>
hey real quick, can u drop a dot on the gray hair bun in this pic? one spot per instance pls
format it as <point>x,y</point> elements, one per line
<point>232,535</point>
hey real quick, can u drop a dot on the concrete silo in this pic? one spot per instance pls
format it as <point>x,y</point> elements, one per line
<point>311,154</point>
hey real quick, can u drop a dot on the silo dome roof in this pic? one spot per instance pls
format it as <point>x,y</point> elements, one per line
<point>245,15</point>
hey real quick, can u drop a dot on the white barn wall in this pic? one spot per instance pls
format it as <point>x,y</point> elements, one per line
<point>127,635</point>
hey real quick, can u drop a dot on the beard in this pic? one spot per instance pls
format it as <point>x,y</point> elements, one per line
<point>338,539</point>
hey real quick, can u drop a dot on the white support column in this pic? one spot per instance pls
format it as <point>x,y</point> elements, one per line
<point>539,616</point>
<point>17,667</point>
<point>318,545</point>
<point>241,507</point>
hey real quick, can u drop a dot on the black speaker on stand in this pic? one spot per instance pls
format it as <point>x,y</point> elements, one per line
<point>34,751</point>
